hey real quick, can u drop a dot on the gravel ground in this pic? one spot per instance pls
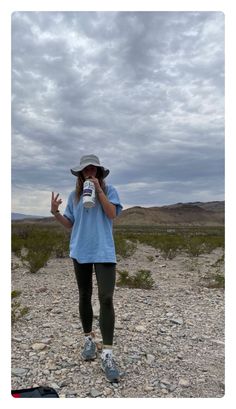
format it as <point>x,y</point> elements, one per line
<point>169,341</point>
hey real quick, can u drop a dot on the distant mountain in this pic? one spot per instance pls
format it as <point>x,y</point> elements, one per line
<point>185,214</point>
<point>21,216</point>
<point>193,213</point>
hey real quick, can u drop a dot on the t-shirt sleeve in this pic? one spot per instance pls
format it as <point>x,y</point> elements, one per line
<point>68,213</point>
<point>113,197</point>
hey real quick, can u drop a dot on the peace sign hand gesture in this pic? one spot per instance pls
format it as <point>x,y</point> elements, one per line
<point>55,202</point>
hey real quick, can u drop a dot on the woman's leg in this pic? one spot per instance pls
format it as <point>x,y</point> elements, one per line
<point>106,277</point>
<point>83,274</point>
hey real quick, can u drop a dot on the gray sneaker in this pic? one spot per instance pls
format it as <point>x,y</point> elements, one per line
<point>90,350</point>
<point>110,369</point>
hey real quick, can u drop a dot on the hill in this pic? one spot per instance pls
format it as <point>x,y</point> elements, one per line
<point>193,213</point>
<point>186,214</point>
<point>21,216</point>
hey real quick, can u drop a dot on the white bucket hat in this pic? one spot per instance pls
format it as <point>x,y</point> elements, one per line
<point>87,160</point>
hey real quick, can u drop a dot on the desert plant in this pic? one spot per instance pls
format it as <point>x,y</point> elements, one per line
<point>17,311</point>
<point>37,259</point>
<point>142,279</point>
<point>124,247</point>
<point>215,281</point>
<point>40,244</point>
<point>220,281</point>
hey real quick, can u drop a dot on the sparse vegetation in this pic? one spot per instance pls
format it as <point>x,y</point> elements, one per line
<point>17,311</point>
<point>44,241</point>
<point>142,279</point>
<point>124,247</point>
<point>220,281</point>
<point>170,241</point>
<point>39,244</point>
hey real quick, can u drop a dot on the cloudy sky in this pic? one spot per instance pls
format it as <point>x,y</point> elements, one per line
<point>142,90</point>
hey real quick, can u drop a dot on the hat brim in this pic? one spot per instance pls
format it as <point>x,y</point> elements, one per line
<point>105,172</point>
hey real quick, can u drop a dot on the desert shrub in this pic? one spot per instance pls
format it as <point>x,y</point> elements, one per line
<point>124,247</point>
<point>41,243</point>
<point>17,311</point>
<point>142,279</point>
<point>37,259</point>
<point>17,244</point>
<point>15,293</point>
<point>215,281</point>
<point>193,241</point>
<point>220,281</point>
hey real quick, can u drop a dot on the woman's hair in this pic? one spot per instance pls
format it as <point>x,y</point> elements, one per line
<point>80,182</point>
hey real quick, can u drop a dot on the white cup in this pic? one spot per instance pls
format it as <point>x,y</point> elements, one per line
<point>89,196</point>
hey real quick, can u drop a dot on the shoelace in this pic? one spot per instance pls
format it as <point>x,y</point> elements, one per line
<point>110,361</point>
<point>88,344</point>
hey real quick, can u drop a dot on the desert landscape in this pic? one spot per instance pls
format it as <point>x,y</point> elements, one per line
<point>169,331</point>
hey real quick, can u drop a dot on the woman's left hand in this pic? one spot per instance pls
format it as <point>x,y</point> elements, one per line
<point>96,182</point>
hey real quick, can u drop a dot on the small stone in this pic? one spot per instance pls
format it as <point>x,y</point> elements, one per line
<point>96,310</point>
<point>94,393</point>
<point>54,385</point>
<point>71,394</point>
<point>118,325</point>
<point>217,341</point>
<point>115,385</point>
<point>165,381</point>
<point>140,328</point>
<point>162,330</point>
<point>150,359</point>
<point>164,391</point>
<point>177,321</point>
<point>38,346</point>
<point>19,371</point>
<point>148,388</point>
<point>172,388</point>
<point>184,383</point>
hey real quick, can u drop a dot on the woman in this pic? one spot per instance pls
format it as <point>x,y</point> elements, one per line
<point>92,244</point>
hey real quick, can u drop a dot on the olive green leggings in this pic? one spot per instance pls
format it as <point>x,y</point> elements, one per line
<point>106,277</point>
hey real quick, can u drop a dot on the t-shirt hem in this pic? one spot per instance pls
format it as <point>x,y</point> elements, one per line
<point>93,260</point>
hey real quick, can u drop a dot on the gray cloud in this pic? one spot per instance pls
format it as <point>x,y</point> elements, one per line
<point>143,90</point>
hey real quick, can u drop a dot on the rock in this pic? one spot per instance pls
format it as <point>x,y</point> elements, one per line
<point>70,394</point>
<point>94,393</point>
<point>118,325</point>
<point>96,310</point>
<point>172,388</point>
<point>39,346</point>
<point>140,328</point>
<point>19,371</point>
<point>185,383</point>
<point>165,382</point>
<point>178,321</point>
<point>150,359</point>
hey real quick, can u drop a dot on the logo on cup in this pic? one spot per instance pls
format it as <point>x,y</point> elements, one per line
<point>89,194</point>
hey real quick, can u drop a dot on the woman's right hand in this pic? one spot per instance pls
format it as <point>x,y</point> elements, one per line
<point>55,202</point>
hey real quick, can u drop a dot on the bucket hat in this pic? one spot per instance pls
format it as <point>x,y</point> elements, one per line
<point>87,160</point>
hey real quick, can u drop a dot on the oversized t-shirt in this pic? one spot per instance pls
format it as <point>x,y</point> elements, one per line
<point>91,238</point>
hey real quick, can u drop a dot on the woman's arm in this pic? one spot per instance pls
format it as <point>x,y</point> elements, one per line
<point>108,207</point>
<point>55,203</point>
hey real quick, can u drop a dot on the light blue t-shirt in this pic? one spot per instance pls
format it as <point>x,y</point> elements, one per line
<point>91,238</point>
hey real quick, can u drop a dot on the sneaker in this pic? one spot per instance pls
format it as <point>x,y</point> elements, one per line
<point>90,350</point>
<point>110,369</point>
